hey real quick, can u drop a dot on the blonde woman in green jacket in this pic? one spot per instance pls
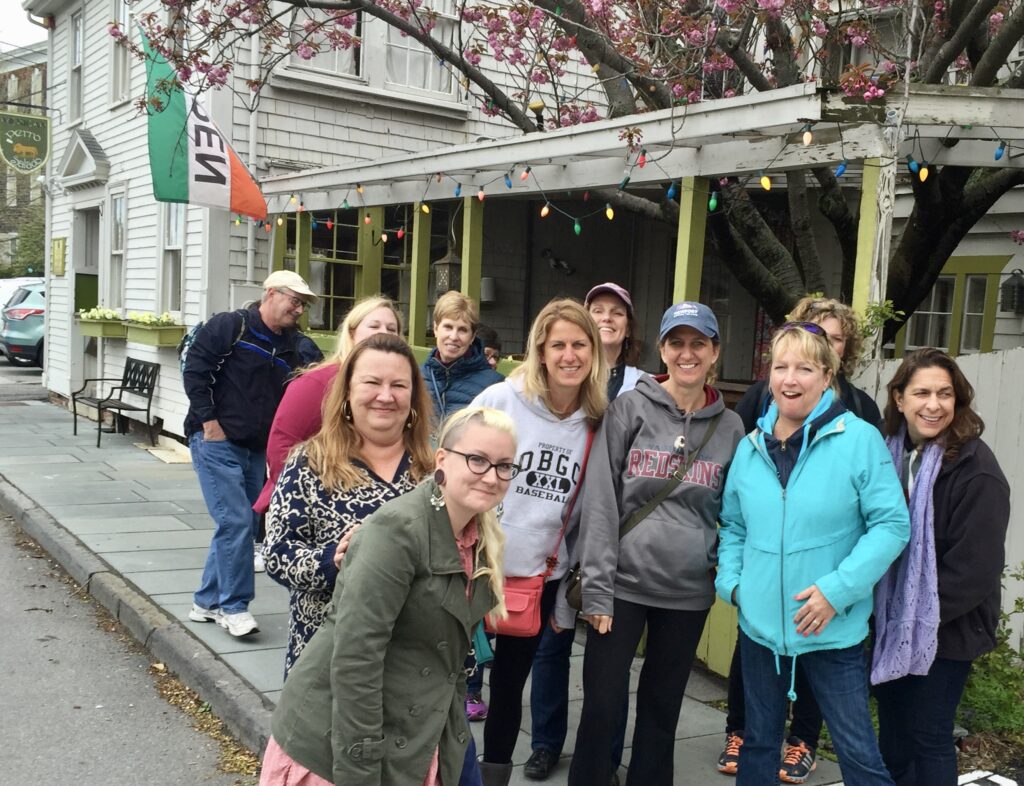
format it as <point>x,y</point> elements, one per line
<point>377,695</point>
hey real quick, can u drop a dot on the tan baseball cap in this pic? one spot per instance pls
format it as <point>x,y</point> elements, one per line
<point>289,279</point>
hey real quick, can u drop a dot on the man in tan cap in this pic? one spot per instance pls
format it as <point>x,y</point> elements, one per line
<point>234,376</point>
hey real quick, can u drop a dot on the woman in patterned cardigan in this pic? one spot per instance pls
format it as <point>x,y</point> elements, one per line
<point>373,446</point>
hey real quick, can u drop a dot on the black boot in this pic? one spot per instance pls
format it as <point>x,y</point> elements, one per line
<point>495,774</point>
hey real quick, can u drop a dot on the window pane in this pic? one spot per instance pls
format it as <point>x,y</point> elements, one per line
<point>975,300</point>
<point>943,300</point>
<point>115,274</point>
<point>970,340</point>
<point>320,38</point>
<point>117,223</point>
<point>173,225</point>
<point>172,281</point>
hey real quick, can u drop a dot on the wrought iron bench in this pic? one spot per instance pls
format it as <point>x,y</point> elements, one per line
<point>139,379</point>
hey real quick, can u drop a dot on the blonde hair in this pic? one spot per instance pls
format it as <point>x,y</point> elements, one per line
<point>331,450</point>
<point>454,305</point>
<point>814,347</point>
<point>491,543</point>
<point>817,309</point>
<point>593,393</point>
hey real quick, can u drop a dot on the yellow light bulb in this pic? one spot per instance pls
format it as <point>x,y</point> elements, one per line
<point>359,188</point>
<point>424,207</point>
<point>766,183</point>
<point>808,137</point>
<point>545,210</point>
<point>923,172</point>
<point>280,221</point>
<point>293,200</point>
<point>609,212</point>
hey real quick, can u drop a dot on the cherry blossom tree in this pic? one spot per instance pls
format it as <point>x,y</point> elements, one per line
<point>576,61</point>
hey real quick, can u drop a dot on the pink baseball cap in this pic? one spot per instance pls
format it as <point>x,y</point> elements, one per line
<point>608,288</point>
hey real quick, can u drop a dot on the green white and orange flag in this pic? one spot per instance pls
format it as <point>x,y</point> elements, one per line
<point>189,158</point>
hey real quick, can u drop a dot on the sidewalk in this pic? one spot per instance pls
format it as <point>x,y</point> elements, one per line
<point>134,529</point>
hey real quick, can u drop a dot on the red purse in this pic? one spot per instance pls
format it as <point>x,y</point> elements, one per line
<point>523,593</point>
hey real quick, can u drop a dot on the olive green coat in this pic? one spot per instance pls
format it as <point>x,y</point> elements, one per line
<point>381,684</point>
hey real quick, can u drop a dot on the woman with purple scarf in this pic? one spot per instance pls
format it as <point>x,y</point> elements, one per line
<point>937,608</point>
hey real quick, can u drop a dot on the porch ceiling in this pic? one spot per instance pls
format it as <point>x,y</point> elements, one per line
<point>736,136</point>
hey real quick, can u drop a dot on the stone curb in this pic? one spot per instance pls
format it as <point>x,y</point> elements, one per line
<point>241,707</point>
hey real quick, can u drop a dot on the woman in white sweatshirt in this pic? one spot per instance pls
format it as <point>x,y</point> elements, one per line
<point>556,398</point>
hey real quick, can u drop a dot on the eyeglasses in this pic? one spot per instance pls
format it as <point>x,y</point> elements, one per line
<point>810,327</point>
<point>296,302</point>
<point>479,465</point>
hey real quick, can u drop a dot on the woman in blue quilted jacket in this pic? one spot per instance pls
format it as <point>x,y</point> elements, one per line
<point>813,515</point>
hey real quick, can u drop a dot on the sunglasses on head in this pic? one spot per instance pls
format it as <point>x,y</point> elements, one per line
<point>810,327</point>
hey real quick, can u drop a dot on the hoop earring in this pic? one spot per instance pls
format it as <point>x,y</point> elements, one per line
<point>413,419</point>
<point>346,411</point>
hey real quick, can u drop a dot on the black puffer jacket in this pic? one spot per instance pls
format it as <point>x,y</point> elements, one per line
<point>972,510</point>
<point>236,376</point>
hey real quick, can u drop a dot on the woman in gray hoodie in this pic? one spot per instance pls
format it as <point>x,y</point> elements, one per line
<point>659,574</point>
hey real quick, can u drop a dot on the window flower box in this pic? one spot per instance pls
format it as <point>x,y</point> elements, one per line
<point>154,335</point>
<point>102,328</point>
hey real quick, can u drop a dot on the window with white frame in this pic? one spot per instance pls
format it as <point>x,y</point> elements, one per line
<point>976,288</point>
<point>171,263</point>
<point>75,76</point>
<point>120,57</point>
<point>341,62</point>
<point>929,326</point>
<point>385,60</point>
<point>114,289</point>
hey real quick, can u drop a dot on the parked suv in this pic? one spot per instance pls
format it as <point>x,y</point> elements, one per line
<point>8,286</point>
<point>21,331</point>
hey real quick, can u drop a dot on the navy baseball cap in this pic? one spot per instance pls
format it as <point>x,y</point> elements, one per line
<point>687,314</point>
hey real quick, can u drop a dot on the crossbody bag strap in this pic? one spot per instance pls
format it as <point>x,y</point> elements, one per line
<point>670,486</point>
<point>552,561</point>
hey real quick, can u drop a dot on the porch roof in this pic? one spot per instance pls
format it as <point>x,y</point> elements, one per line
<point>744,135</point>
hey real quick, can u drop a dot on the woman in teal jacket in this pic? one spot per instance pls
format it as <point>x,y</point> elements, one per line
<point>812,516</point>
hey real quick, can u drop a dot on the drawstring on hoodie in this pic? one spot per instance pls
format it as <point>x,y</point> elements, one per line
<point>792,675</point>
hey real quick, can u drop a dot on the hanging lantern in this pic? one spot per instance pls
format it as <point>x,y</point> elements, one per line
<point>1012,293</point>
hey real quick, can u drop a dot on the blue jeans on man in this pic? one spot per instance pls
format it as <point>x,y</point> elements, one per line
<point>231,478</point>
<point>839,679</point>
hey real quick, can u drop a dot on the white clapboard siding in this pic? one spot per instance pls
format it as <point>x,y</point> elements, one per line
<point>998,379</point>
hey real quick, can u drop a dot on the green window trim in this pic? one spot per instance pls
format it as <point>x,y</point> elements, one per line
<point>962,267</point>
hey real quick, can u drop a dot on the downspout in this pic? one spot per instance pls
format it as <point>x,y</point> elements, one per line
<point>250,232</point>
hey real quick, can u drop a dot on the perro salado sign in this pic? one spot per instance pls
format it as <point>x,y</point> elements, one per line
<point>24,141</point>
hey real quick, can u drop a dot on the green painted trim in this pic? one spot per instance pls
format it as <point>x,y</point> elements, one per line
<point>867,228</point>
<point>988,319</point>
<point>976,265</point>
<point>278,244</point>
<point>956,322</point>
<point>369,254</point>
<point>327,341</point>
<point>303,251</point>
<point>472,246</point>
<point>419,278</point>
<point>693,221</point>
<point>900,344</point>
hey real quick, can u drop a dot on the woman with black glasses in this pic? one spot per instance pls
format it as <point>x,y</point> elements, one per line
<point>812,516</point>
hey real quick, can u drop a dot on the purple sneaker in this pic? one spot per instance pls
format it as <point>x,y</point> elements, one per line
<point>476,710</point>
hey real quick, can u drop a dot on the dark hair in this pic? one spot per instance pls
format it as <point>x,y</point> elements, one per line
<point>488,337</point>
<point>966,424</point>
<point>633,346</point>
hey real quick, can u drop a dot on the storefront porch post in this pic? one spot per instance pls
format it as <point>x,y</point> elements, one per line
<point>369,251</point>
<point>419,279</point>
<point>874,232</point>
<point>693,219</point>
<point>472,246</point>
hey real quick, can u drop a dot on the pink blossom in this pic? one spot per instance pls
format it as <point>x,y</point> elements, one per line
<point>820,28</point>
<point>1018,236</point>
<point>995,22</point>
<point>729,6</point>
<point>305,51</point>
<point>217,76</point>
<point>184,74</point>
<point>115,31</point>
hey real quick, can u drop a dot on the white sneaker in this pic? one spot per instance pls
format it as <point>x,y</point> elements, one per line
<point>258,562</point>
<point>199,614</point>
<point>239,624</point>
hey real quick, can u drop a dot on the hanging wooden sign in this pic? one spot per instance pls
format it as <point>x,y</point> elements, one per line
<point>24,141</point>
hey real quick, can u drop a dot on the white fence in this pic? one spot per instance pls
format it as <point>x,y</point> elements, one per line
<point>998,380</point>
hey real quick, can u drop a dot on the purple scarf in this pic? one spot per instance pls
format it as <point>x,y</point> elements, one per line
<point>907,597</point>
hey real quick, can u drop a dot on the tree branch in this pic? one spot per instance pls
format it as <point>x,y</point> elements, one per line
<point>800,221</point>
<point>948,52</point>
<point>730,44</point>
<point>999,49</point>
<point>748,221</point>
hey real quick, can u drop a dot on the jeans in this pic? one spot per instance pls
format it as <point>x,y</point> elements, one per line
<point>470,767</point>
<point>839,680</point>
<point>806,719</point>
<point>231,478</point>
<point>513,658</point>
<point>672,637</point>
<point>915,724</point>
